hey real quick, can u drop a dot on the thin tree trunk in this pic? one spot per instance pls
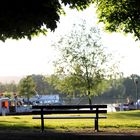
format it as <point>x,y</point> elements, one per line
<point>89,99</point>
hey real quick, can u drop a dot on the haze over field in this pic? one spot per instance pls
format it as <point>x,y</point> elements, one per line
<point>9,79</point>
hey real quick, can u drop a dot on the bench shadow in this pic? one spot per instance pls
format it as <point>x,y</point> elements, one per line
<point>36,134</point>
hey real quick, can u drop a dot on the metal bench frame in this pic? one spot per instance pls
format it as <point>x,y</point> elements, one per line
<point>43,111</point>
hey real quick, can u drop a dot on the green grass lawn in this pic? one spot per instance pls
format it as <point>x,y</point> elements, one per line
<point>116,122</point>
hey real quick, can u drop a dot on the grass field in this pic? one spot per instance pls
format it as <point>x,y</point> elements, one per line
<point>128,121</point>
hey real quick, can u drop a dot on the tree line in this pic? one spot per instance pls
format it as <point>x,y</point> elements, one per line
<point>27,87</point>
<point>31,85</point>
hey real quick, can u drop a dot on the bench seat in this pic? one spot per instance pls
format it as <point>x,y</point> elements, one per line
<point>48,111</point>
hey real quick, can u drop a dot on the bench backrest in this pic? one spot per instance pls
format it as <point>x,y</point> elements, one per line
<point>69,109</point>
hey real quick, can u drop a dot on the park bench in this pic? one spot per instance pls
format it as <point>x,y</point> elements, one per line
<point>44,111</point>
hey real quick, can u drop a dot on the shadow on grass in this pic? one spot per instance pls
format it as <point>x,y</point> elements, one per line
<point>25,133</point>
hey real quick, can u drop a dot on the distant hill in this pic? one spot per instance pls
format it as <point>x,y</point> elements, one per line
<point>10,79</point>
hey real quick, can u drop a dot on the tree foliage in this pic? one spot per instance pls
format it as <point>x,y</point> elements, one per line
<point>38,84</point>
<point>8,87</point>
<point>53,82</point>
<point>84,66</point>
<point>20,19</point>
<point>26,87</point>
<point>42,85</point>
<point>124,88</point>
<point>26,18</point>
<point>120,15</point>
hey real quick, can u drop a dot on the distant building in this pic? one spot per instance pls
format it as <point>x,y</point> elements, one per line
<point>45,99</point>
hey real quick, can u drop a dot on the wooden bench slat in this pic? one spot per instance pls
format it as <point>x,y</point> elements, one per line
<point>68,106</point>
<point>69,111</point>
<point>69,117</point>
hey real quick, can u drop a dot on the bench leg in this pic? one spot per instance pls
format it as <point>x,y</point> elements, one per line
<point>96,125</point>
<point>42,125</point>
<point>42,120</point>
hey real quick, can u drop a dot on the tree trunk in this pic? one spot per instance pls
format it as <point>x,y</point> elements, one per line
<point>28,100</point>
<point>89,99</point>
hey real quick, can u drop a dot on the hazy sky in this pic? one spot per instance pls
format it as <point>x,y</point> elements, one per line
<point>24,57</point>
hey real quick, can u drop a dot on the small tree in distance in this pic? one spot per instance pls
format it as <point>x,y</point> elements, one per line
<point>83,67</point>
<point>26,87</point>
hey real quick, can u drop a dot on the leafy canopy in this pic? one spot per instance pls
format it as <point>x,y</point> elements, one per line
<point>120,15</point>
<point>83,66</point>
<point>26,18</point>
<point>26,87</point>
